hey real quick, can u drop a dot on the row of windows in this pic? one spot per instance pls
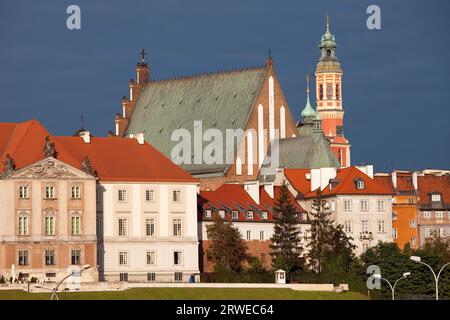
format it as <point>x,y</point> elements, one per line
<point>49,225</point>
<point>49,192</point>
<point>381,226</point>
<point>329,91</point>
<point>150,227</point>
<point>150,258</point>
<point>249,215</point>
<point>364,205</point>
<point>49,257</point>
<point>151,276</point>
<point>122,195</point>
<point>439,215</point>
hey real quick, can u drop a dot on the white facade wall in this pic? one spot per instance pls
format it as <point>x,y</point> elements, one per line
<point>136,242</point>
<point>355,216</point>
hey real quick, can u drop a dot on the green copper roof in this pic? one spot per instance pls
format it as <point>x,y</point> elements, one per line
<point>308,111</point>
<point>220,100</point>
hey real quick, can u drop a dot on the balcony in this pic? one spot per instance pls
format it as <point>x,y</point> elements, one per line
<point>365,235</point>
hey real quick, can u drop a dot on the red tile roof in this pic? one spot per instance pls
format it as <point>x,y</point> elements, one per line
<point>430,183</point>
<point>114,159</point>
<point>233,197</point>
<point>345,177</point>
<point>404,182</point>
<point>297,178</point>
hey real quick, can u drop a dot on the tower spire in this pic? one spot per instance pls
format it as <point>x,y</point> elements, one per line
<point>308,112</point>
<point>328,23</point>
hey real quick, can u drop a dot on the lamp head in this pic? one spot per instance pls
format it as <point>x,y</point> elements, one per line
<point>415,258</point>
<point>85,267</point>
<point>377,276</point>
<point>406,274</point>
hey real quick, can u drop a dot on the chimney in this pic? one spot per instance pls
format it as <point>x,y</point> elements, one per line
<point>321,177</point>
<point>394,179</point>
<point>140,137</point>
<point>269,188</point>
<point>252,188</point>
<point>414,180</point>
<point>86,136</point>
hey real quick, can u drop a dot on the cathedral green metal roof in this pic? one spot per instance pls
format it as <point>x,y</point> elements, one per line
<point>220,100</point>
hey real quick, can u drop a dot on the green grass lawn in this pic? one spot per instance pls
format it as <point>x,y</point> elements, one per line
<point>188,294</point>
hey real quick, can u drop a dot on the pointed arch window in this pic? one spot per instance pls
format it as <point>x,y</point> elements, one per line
<point>329,91</point>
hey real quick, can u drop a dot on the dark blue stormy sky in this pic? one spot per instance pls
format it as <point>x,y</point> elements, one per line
<point>396,86</point>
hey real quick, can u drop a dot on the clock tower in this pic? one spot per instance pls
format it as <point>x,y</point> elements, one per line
<point>329,97</point>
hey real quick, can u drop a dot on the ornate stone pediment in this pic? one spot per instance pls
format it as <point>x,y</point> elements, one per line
<point>49,168</point>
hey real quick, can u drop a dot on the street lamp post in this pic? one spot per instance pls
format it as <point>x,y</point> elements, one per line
<point>62,280</point>
<point>436,277</point>
<point>378,276</point>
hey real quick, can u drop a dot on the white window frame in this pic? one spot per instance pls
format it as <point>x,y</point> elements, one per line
<point>176,196</point>
<point>249,215</point>
<point>381,226</point>
<point>23,192</point>
<point>436,197</point>
<point>222,214</point>
<point>150,227</point>
<point>177,227</point>
<point>347,205</point>
<point>75,225</point>
<point>248,235</point>
<point>348,226</point>
<point>264,215</point>
<point>235,215</point>
<point>23,221</point>
<point>208,214</point>
<point>76,192</point>
<point>49,192</point>
<point>364,207</point>
<point>50,225</point>
<point>180,258</point>
<point>123,258</point>
<point>261,235</point>
<point>122,227</point>
<point>412,223</point>
<point>381,205</point>
<point>122,195</point>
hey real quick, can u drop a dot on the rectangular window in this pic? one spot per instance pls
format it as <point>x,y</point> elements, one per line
<point>123,276</point>
<point>49,257</point>
<point>248,235</point>
<point>149,195</point>
<point>427,214</point>
<point>76,192</point>
<point>208,214</point>
<point>23,192</point>
<point>249,215</point>
<point>364,226</point>
<point>364,205</point>
<point>410,200</point>
<point>122,195</point>
<point>23,258</point>
<point>360,184</point>
<point>151,258</point>
<point>347,205</point>
<point>222,214</point>
<point>177,258</point>
<point>413,241</point>
<point>50,226</point>
<point>261,235</point>
<point>75,256</point>
<point>380,205</point>
<point>435,197</point>
<point>381,226</point>
<point>394,215</point>
<point>123,227</point>
<point>176,196</point>
<point>75,225</point>
<point>235,215</point>
<point>49,192</point>
<point>329,91</point>
<point>177,227</point>
<point>264,215</point>
<point>412,223</point>
<point>150,227</point>
<point>429,232</point>
<point>178,276</point>
<point>439,215</point>
<point>365,247</point>
<point>394,233</point>
<point>123,258</point>
<point>23,226</point>
<point>151,277</point>
<point>348,226</point>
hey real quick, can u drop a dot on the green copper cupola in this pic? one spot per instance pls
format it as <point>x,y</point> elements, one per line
<point>328,44</point>
<point>308,112</point>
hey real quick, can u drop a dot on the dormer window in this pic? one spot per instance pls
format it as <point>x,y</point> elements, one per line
<point>359,183</point>
<point>333,183</point>
<point>222,214</point>
<point>207,214</point>
<point>235,215</point>
<point>249,215</point>
<point>436,197</point>
<point>264,215</point>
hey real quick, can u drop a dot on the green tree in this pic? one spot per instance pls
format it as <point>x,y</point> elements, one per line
<point>285,247</point>
<point>227,249</point>
<point>330,249</point>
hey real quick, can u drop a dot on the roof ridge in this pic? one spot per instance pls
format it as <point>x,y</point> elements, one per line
<point>205,74</point>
